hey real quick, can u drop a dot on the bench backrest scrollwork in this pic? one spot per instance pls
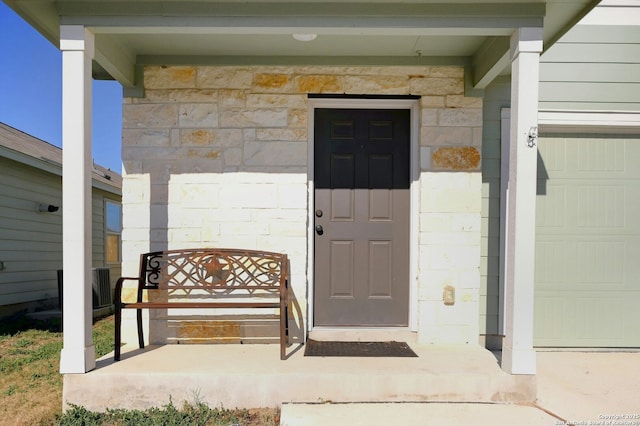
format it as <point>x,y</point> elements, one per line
<point>216,271</point>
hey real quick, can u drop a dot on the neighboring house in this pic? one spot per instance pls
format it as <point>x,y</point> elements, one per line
<point>31,211</point>
<point>371,153</point>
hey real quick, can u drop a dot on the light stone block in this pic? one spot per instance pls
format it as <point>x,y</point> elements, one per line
<point>142,154</point>
<point>244,228</point>
<point>292,196</point>
<point>299,135</point>
<point>460,101</point>
<point>477,136</point>
<point>452,200</point>
<point>186,235</point>
<point>460,313</point>
<point>274,100</point>
<point>467,222</point>
<point>232,156</point>
<point>243,241</point>
<point>198,115</point>
<point>210,232</point>
<point>135,215</point>
<point>158,215</point>
<point>275,153</point>
<point>428,117</point>
<point>146,137</point>
<point>272,82</point>
<point>446,72</point>
<point>284,244</point>
<point>451,180</point>
<point>226,214</point>
<point>250,196</point>
<point>224,77</point>
<point>435,222</point>
<point>437,86</point>
<point>451,222</point>
<point>248,135</point>
<point>281,215</point>
<point>298,118</point>
<point>232,98</point>
<point>195,195</point>
<point>446,136</point>
<point>159,77</point>
<point>132,167</point>
<point>432,101</point>
<point>380,84</point>
<point>433,281</point>
<point>468,117</point>
<point>442,334</point>
<point>148,116</point>
<point>452,257</point>
<point>452,238</point>
<point>177,95</point>
<point>425,158</point>
<point>319,84</point>
<point>238,118</point>
<point>195,178</point>
<point>211,137</point>
<point>136,190</point>
<point>288,229</point>
<point>135,234</point>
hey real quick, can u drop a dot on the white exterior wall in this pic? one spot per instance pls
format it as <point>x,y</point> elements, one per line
<point>218,156</point>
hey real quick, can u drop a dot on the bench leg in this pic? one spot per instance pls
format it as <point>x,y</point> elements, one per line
<point>118,332</point>
<point>140,331</point>
<point>284,322</point>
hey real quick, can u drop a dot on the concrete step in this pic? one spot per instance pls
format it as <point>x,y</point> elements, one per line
<point>254,376</point>
<point>373,414</point>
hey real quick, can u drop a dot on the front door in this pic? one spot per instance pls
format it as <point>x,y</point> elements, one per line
<point>362,204</point>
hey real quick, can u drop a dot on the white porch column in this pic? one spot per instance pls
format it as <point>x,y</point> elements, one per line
<point>518,356</point>
<point>78,352</point>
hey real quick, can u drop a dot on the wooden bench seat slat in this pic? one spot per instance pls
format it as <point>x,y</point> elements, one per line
<point>216,274</point>
<point>195,305</point>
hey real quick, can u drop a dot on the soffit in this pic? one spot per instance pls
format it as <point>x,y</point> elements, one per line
<point>462,32</point>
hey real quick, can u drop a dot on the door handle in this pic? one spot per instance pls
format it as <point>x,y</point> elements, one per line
<point>319,229</point>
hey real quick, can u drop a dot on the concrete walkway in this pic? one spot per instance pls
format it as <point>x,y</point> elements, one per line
<point>574,388</point>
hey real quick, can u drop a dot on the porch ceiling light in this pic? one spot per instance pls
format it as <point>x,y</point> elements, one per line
<point>305,37</point>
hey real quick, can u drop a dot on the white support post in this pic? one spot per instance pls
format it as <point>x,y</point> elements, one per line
<point>78,352</point>
<point>518,356</point>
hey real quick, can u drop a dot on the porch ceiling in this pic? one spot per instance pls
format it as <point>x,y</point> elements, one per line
<point>382,32</point>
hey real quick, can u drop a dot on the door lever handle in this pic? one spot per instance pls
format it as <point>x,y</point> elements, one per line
<point>319,229</point>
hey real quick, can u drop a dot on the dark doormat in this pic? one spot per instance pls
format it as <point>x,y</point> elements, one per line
<point>358,349</point>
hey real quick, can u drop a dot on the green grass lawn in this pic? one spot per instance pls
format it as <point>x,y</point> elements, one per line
<point>31,385</point>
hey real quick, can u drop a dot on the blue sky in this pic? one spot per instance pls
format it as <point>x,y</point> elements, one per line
<point>31,91</point>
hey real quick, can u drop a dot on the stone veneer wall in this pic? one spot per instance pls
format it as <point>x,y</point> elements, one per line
<point>217,156</point>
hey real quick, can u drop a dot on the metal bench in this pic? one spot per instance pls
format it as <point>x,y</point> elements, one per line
<point>207,278</point>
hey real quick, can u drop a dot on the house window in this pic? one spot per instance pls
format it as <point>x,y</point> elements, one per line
<point>113,222</point>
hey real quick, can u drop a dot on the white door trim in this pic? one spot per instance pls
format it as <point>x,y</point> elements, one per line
<point>413,106</point>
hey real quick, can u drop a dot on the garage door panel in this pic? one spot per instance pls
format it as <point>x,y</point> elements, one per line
<point>589,206</point>
<point>590,320</point>
<point>588,242</point>
<point>584,265</point>
<point>578,158</point>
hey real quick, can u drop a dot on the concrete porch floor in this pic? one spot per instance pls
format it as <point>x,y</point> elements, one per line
<point>252,375</point>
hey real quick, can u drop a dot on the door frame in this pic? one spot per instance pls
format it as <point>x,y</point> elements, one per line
<point>369,102</point>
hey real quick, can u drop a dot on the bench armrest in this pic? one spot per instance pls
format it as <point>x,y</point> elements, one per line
<point>117,293</point>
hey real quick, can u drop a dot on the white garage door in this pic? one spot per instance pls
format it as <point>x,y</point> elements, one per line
<point>587,278</point>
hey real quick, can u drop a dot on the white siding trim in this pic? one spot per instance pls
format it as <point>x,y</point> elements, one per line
<point>551,121</point>
<point>614,12</point>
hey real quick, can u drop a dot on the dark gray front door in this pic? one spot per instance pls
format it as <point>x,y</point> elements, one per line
<point>361,168</point>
